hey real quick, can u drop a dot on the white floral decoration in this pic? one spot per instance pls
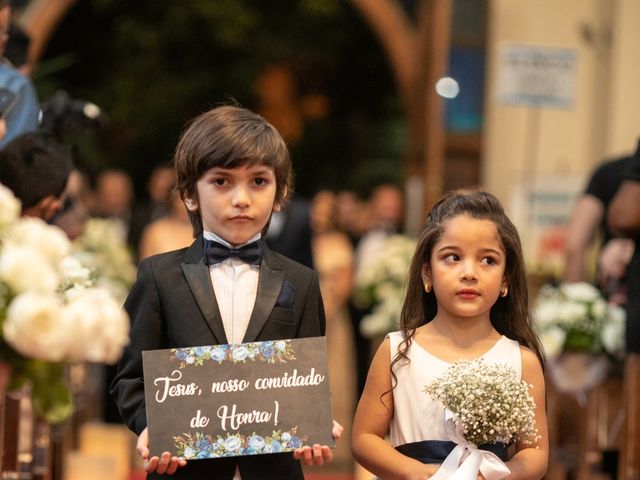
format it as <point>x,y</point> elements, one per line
<point>51,310</point>
<point>576,317</point>
<point>382,285</point>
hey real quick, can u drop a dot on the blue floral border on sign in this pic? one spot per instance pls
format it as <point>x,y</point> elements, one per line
<point>276,351</point>
<point>200,445</point>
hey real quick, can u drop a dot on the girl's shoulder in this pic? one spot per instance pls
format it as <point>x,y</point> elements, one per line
<point>529,358</point>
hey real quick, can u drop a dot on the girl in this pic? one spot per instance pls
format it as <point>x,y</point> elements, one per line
<point>466,298</point>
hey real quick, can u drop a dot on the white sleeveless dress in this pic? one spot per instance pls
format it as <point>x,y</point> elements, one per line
<point>417,416</point>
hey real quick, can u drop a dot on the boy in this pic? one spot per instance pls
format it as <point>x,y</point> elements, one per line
<point>233,170</point>
<point>36,168</point>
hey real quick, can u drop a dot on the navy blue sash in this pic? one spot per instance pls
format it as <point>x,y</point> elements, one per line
<point>435,451</point>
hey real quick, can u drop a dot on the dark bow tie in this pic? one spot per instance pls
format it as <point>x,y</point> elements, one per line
<point>215,252</point>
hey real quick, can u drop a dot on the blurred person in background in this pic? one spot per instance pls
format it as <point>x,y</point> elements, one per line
<point>19,107</point>
<point>624,219</point>
<point>168,233</point>
<point>157,204</point>
<point>114,198</point>
<point>333,257</point>
<point>589,223</point>
<point>386,206</point>
<point>77,206</point>
<point>36,168</point>
<point>289,232</point>
<point>352,215</point>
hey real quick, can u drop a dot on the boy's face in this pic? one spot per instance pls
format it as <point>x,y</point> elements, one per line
<point>235,203</point>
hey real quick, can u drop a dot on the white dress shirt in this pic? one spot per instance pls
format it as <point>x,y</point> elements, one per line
<point>235,284</point>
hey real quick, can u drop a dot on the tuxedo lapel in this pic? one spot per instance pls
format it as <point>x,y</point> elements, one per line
<point>269,286</point>
<point>197,274</point>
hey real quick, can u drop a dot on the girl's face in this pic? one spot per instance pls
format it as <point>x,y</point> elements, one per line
<point>466,268</point>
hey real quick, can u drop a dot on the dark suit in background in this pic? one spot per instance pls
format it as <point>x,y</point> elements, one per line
<point>290,232</point>
<point>173,305</point>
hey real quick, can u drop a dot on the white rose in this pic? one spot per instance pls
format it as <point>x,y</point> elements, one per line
<point>49,240</point>
<point>9,207</point>
<point>35,328</point>
<point>73,272</point>
<point>552,342</point>
<point>545,313</point>
<point>613,331</point>
<point>580,291</point>
<point>571,313</point>
<point>100,326</point>
<point>24,268</point>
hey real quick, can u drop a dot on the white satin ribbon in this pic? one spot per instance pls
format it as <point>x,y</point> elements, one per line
<point>466,460</point>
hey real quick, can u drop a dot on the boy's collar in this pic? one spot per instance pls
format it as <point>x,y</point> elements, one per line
<point>212,236</point>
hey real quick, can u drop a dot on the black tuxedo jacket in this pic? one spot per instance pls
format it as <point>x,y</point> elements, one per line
<point>173,305</point>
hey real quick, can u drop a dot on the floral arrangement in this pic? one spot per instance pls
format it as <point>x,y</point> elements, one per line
<point>101,248</point>
<point>201,445</point>
<point>279,351</point>
<point>382,285</point>
<point>487,401</point>
<point>575,317</point>
<point>51,313</point>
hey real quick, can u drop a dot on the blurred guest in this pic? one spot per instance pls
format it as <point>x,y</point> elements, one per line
<point>624,219</point>
<point>167,233</point>
<point>36,168</point>
<point>77,206</point>
<point>114,198</point>
<point>157,205</point>
<point>19,107</point>
<point>289,232</point>
<point>387,210</point>
<point>588,222</point>
<point>352,215</point>
<point>333,256</point>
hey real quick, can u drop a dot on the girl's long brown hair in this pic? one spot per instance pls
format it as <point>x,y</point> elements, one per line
<point>509,315</point>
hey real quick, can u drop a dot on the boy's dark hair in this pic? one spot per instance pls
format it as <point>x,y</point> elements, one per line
<point>35,166</point>
<point>229,137</point>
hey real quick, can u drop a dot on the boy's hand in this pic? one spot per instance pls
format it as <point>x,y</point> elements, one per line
<point>163,464</point>
<point>319,454</point>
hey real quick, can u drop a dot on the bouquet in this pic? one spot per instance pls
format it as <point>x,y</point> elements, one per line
<point>484,403</point>
<point>575,317</point>
<point>381,285</point>
<point>50,311</point>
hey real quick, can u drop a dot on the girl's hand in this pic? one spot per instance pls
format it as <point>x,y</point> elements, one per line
<point>165,464</point>
<point>319,454</point>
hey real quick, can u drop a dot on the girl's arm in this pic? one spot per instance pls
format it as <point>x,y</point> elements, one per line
<point>530,461</point>
<point>371,424</point>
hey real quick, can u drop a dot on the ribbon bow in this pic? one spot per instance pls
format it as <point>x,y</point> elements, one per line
<point>466,459</point>
<point>215,252</point>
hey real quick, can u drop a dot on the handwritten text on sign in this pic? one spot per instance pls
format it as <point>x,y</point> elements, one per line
<point>243,399</point>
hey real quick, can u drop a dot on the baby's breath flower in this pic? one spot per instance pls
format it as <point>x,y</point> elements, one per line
<point>500,409</point>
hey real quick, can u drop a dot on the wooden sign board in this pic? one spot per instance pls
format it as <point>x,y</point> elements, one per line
<point>243,399</point>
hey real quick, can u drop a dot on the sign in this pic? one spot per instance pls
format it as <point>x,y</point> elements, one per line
<point>538,76</point>
<point>241,399</point>
<point>541,208</point>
